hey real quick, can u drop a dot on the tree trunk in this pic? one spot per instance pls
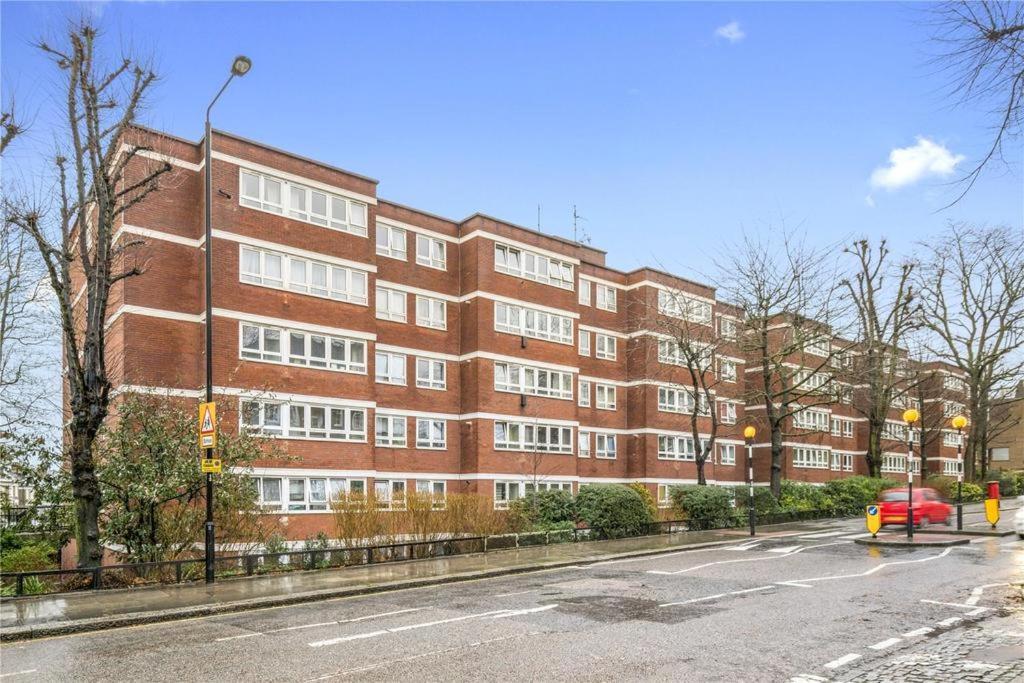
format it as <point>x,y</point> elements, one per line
<point>874,453</point>
<point>776,475</point>
<point>701,461</point>
<point>87,500</point>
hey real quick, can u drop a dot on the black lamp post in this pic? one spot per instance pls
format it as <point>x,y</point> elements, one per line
<point>239,67</point>
<point>959,422</point>
<point>910,416</point>
<point>748,434</point>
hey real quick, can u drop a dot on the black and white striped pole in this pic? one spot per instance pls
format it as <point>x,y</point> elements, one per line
<point>959,422</point>
<point>910,416</point>
<point>748,434</point>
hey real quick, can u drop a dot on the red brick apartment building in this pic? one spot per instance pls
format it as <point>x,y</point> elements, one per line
<point>393,350</point>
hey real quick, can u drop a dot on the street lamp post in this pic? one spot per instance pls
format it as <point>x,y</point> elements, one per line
<point>910,416</point>
<point>748,434</point>
<point>959,422</point>
<point>239,67</point>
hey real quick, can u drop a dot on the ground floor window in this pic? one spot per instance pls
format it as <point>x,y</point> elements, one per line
<point>664,496</point>
<point>301,494</point>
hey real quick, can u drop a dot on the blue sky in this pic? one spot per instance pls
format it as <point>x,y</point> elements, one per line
<point>670,138</point>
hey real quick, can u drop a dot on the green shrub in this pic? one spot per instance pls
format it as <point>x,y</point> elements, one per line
<point>10,540</point>
<point>31,557</point>
<point>801,496</point>
<point>613,510</point>
<point>764,501</point>
<point>646,495</point>
<point>944,486</point>
<point>972,492</point>
<point>849,496</point>
<point>544,510</point>
<point>1008,484</point>
<point>706,506</point>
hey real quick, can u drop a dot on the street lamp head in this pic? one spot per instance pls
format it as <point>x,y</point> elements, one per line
<point>241,65</point>
<point>749,432</point>
<point>959,422</point>
<point>910,416</point>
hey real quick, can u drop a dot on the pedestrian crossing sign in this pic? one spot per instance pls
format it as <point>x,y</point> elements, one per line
<point>208,425</point>
<point>873,519</point>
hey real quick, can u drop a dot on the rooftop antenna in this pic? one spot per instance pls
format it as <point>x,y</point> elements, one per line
<point>579,235</point>
<point>538,218</point>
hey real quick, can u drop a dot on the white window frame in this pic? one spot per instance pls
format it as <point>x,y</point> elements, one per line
<point>585,388</point>
<point>509,490</point>
<point>726,454</point>
<point>531,265</point>
<point>676,447</point>
<point>584,445</point>
<point>340,213</point>
<point>812,419</point>
<point>396,243</point>
<point>681,400</point>
<point>517,321</point>
<point>431,442</point>
<point>519,378</point>
<point>388,438</point>
<point>290,427</point>
<point>727,370</point>
<point>439,498</point>
<point>339,283</point>
<point>607,298</point>
<point>728,412</point>
<point>605,346</point>
<point>431,373</point>
<point>727,328</point>
<point>431,252</point>
<point>436,312</point>
<point>532,437</point>
<point>604,396</point>
<point>284,355</point>
<point>391,360</point>
<point>676,304</point>
<point>584,292</point>
<point>811,458</point>
<point>391,311</point>
<point>334,489</point>
<point>389,494</point>
<point>605,445</point>
<point>584,342</point>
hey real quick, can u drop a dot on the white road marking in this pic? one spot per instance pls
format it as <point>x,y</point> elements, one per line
<point>918,632</point>
<point>976,593</point>
<point>980,666</point>
<point>871,571</point>
<point>716,596</point>
<point>398,629</point>
<point>17,673</point>
<point>885,643</point>
<point>950,621</point>
<point>825,534</point>
<point>786,549</point>
<point>746,559</point>
<point>807,678</point>
<point>793,584</point>
<point>508,595</point>
<point>745,546</point>
<point>845,659</point>
<point>751,590</point>
<point>322,623</point>
<point>976,612</point>
<point>948,604</point>
<point>516,613</point>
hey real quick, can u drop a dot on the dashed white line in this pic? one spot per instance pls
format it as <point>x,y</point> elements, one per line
<point>852,537</point>
<point>950,621</point>
<point>948,604</point>
<point>398,629</point>
<point>787,549</point>
<point>976,593</point>
<point>976,612</point>
<point>889,642</point>
<point>845,659</point>
<point>322,623</point>
<point>918,632</point>
<point>517,612</point>
<point>746,559</point>
<point>794,584</point>
<point>716,596</point>
<point>17,673</point>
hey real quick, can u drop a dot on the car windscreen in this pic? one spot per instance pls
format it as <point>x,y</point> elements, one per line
<point>894,496</point>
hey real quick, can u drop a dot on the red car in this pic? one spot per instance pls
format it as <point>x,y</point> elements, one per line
<point>928,507</point>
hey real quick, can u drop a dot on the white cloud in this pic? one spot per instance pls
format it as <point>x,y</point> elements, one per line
<point>731,32</point>
<point>908,165</point>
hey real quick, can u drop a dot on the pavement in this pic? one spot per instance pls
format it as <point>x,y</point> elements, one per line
<point>803,605</point>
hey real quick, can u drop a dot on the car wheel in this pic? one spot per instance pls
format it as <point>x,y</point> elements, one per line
<point>923,524</point>
<point>949,519</point>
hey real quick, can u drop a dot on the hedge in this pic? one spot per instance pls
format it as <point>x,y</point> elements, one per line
<point>543,510</point>
<point>708,505</point>
<point>613,509</point>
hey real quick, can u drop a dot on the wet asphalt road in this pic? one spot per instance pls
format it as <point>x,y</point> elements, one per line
<point>761,610</point>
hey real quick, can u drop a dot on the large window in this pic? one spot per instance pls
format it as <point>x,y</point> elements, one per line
<point>532,266</point>
<point>523,379</point>
<point>604,446</point>
<point>605,394</point>
<point>604,346</point>
<point>530,322</point>
<point>389,494</point>
<point>434,489</point>
<point>282,271</point>
<point>298,494</point>
<point>391,305</point>
<point>811,458</point>
<point>303,421</point>
<point>816,420</point>
<point>431,252</point>
<point>678,305</point>
<point>264,192</point>
<point>391,242</point>
<point>263,343</point>
<point>727,454</point>
<point>431,312</point>
<point>430,373</point>
<point>727,370</point>
<point>431,434</point>
<point>389,431</point>
<point>680,400</point>
<point>390,367</point>
<point>507,491</point>
<point>672,447</point>
<point>530,437</point>
<point>728,412</point>
<point>606,298</point>
<point>894,430</point>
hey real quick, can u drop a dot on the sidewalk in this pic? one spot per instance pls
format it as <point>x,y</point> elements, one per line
<point>35,617</point>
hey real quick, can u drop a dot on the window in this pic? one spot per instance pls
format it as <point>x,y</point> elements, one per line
<point>533,266</point>
<point>281,271</point>
<point>391,242</point>
<point>530,487</point>
<point>313,493</point>
<point>953,383</point>
<point>505,492</point>
<point>898,463</point>
<point>836,461</point>
<point>949,468</point>
<point>431,434</point>
<point>848,428</point>
<point>604,446</point>
<point>259,191</point>
<point>727,454</point>
<point>389,494</point>
<point>806,381</point>
<point>841,427</point>
<point>584,292</point>
<point>390,431</point>
<point>811,458</point>
<point>605,396</point>
<point>584,343</point>
<point>529,322</point>
<point>430,252</point>
<point>677,447</point>
<point>727,327</point>
<point>584,393</point>
<point>259,342</point>
<point>951,439</point>
<point>664,496</point>
<point>895,431</point>
<point>678,305</point>
<point>391,304</point>
<point>727,370</point>
<point>430,373</point>
<point>530,437</point>
<point>524,379</point>
<point>728,414</point>
<point>431,313</point>
<point>605,346</point>
<point>847,462</point>
<point>303,421</point>
<point>836,426</point>
<point>584,444</point>
<point>680,400</point>
<point>390,368</point>
<point>606,298</point>
<point>817,346</point>
<point>434,489</point>
<point>816,420</point>
<point>952,408</point>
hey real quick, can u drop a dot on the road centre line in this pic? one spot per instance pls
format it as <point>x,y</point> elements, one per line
<point>871,571</point>
<point>845,659</point>
<point>918,632</point>
<point>746,559</point>
<point>976,593</point>
<point>716,596</point>
<point>889,642</point>
<point>399,629</point>
<point>322,623</point>
<point>518,612</point>
<point>794,584</point>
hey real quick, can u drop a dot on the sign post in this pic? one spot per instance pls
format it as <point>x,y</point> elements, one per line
<point>873,519</point>
<point>209,466</point>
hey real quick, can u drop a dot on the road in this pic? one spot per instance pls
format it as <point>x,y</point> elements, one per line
<point>807,607</point>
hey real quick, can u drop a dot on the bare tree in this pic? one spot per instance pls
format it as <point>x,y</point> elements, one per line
<point>882,300</point>
<point>790,302</point>
<point>688,348</point>
<point>95,182</point>
<point>982,45</point>
<point>972,290</point>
